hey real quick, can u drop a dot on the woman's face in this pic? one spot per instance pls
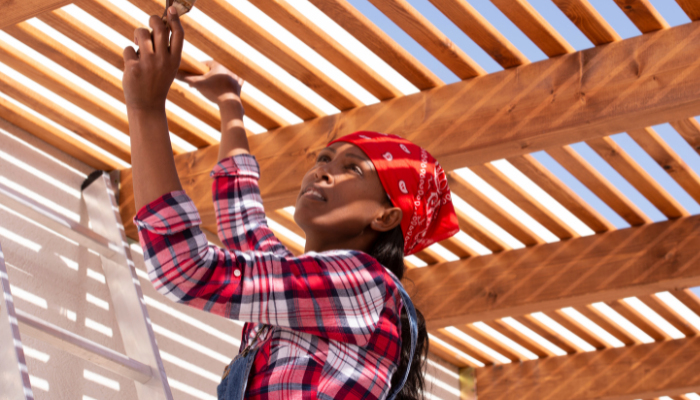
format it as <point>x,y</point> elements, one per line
<point>341,195</point>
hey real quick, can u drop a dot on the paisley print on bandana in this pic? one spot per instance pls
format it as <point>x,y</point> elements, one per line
<point>415,182</point>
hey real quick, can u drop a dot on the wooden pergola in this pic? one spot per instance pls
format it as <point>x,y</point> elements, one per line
<point>601,316</point>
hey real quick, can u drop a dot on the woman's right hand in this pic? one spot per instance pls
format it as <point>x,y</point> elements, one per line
<point>217,85</point>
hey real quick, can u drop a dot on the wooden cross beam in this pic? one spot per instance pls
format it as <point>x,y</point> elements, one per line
<point>636,372</point>
<point>628,84</point>
<point>604,267</point>
<point>14,11</point>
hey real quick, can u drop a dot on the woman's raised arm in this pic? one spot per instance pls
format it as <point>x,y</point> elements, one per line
<point>147,79</point>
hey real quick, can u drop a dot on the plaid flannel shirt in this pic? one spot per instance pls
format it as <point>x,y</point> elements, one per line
<point>334,315</point>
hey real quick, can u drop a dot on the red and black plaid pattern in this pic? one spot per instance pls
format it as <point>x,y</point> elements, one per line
<point>335,315</point>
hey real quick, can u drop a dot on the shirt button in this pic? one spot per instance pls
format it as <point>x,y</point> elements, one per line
<point>236,273</point>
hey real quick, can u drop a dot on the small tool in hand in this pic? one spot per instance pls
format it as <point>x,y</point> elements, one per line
<point>182,7</point>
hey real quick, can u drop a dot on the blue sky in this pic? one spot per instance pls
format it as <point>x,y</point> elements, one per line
<point>668,9</point>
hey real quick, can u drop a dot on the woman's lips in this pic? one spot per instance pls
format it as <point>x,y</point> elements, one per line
<point>314,194</point>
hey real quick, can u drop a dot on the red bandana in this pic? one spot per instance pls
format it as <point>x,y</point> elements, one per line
<point>415,182</point>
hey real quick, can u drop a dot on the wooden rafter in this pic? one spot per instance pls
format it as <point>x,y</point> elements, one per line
<point>623,163</point>
<point>14,115</point>
<point>308,32</point>
<point>15,11</point>
<point>378,42</point>
<point>300,68</point>
<point>61,116</point>
<point>481,32</point>
<point>643,14</point>
<point>534,26</point>
<point>691,7</point>
<point>68,59</point>
<point>568,158</point>
<point>603,267</point>
<point>521,198</point>
<point>252,73</point>
<point>588,20</point>
<point>429,36</point>
<point>513,110</point>
<point>560,192</point>
<point>491,210</point>
<point>645,371</point>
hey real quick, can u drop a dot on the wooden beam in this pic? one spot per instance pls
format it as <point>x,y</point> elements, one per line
<point>15,11</point>
<point>429,36</point>
<point>691,8</point>
<point>101,79</point>
<point>232,19</point>
<point>222,52</point>
<point>462,14</point>
<point>560,192</point>
<point>64,118</point>
<point>588,20</point>
<point>605,267</point>
<point>577,166</point>
<point>307,31</point>
<point>643,14</point>
<point>534,26</point>
<point>644,371</point>
<point>353,21</point>
<point>593,93</point>
<point>623,163</point>
<point>13,117</point>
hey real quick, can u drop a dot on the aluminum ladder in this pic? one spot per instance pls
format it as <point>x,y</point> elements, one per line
<point>142,362</point>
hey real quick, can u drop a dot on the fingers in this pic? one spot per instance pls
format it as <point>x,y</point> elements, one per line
<point>161,34</point>
<point>178,37</point>
<point>142,38</point>
<point>130,55</point>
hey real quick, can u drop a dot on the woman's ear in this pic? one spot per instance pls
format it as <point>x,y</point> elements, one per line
<point>388,220</point>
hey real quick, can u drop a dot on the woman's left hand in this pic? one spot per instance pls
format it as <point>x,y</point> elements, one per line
<point>149,74</point>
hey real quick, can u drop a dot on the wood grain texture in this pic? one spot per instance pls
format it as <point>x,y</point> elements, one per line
<point>668,159</point>
<point>321,42</point>
<point>632,84</point>
<point>588,20</point>
<point>427,35</point>
<point>53,81</point>
<point>605,267</point>
<point>643,14</point>
<point>594,180</point>
<point>492,211</point>
<point>560,192</point>
<point>64,118</point>
<point>521,198</point>
<point>479,233</point>
<point>271,47</point>
<point>14,117</point>
<point>462,14</point>
<point>691,8</point>
<point>101,79</point>
<point>534,26</point>
<point>690,130</point>
<point>623,163</point>
<point>229,57</point>
<point>15,11</point>
<point>353,21</point>
<point>644,371</point>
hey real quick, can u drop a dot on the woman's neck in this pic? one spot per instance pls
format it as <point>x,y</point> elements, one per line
<point>320,242</point>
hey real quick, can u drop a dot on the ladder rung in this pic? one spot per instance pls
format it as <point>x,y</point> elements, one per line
<point>57,222</point>
<point>83,348</point>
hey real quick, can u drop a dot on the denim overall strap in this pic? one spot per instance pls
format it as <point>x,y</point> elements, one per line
<point>235,379</point>
<point>413,321</point>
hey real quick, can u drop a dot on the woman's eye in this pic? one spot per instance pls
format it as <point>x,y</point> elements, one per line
<point>322,158</point>
<point>356,168</point>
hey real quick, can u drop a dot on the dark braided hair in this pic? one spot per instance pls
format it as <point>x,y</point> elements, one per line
<point>388,250</point>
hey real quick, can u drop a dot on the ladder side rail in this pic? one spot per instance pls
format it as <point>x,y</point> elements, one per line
<point>84,348</point>
<point>58,223</point>
<point>125,289</point>
<point>14,376</point>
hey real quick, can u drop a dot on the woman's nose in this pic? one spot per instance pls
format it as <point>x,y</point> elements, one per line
<point>323,174</point>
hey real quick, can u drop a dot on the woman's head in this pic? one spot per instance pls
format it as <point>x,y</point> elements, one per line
<point>342,201</point>
<point>366,183</point>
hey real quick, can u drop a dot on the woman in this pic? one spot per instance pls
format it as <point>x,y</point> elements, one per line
<point>327,324</point>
